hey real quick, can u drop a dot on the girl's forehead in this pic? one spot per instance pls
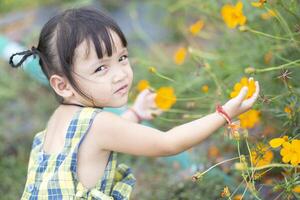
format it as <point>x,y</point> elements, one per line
<point>86,54</point>
<point>87,48</point>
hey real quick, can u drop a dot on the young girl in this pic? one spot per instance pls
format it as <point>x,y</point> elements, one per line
<point>84,55</point>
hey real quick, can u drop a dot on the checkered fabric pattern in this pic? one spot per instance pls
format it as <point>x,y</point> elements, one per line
<point>54,176</point>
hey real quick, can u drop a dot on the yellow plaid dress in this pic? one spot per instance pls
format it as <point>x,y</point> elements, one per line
<point>54,176</point>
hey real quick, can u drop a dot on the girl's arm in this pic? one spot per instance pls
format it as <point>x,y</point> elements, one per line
<point>113,133</point>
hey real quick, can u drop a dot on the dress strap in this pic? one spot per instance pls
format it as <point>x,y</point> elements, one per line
<point>79,126</point>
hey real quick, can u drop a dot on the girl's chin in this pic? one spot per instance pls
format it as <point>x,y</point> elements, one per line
<point>122,102</point>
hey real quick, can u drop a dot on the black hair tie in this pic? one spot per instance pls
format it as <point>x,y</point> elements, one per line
<point>25,54</point>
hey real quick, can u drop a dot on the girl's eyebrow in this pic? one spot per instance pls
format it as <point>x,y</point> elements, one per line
<point>124,50</point>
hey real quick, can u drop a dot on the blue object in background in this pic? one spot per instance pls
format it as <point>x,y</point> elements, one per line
<point>31,66</point>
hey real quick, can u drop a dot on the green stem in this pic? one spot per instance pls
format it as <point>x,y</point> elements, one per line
<point>274,165</point>
<point>270,36</point>
<point>279,67</point>
<point>200,174</point>
<point>244,192</point>
<point>214,77</point>
<point>236,189</point>
<point>288,10</point>
<point>284,24</point>
<point>165,77</point>
<point>279,96</point>
<point>251,163</point>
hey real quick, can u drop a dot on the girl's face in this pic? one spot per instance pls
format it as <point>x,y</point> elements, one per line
<point>100,79</point>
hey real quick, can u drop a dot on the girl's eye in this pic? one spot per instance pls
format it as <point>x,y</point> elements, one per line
<point>101,68</point>
<point>122,58</point>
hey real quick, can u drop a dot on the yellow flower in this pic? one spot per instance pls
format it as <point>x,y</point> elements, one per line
<point>296,189</point>
<point>249,119</point>
<point>261,156</point>
<point>225,192</point>
<point>180,55</point>
<point>259,4</point>
<point>290,152</point>
<point>143,84</point>
<point>244,82</point>
<point>268,15</point>
<point>233,15</point>
<point>196,27</point>
<point>204,88</point>
<point>277,142</point>
<point>165,98</point>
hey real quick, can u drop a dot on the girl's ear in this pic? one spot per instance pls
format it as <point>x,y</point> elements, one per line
<point>61,86</point>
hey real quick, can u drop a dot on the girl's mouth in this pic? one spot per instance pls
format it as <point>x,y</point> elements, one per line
<point>122,90</point>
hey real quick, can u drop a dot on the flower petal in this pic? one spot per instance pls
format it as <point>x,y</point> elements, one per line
<point>276,142</point>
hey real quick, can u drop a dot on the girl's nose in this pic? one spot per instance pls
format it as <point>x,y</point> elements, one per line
<point>120,75</point>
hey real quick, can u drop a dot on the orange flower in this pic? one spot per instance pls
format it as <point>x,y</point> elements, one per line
<point>165,98</point>
<point>204,88</point>
<point>296,189</point>
<point>244,82</point>
<point>261,156</point>
<point>268,57</point>
<point>249,119</point>
<point>196,27</point>
<point>233,15</point>
<point>288,110</point>
<point>180,55</point>
<point>143,84</point>
<point>238,197</point>
<point>213,152</point>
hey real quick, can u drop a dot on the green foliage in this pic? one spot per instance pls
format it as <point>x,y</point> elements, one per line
<point>217,56</point>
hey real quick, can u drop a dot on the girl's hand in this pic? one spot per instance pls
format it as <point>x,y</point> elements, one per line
<point>238,105</point>
<point>145,105</point>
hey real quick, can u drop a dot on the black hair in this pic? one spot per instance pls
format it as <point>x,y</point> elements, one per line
<point>63,33</point>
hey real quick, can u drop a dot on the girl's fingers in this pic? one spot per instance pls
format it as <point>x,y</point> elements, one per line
<point>143,93</point>
<point>242,94</point>
<point>151,100</point>
<point>251,101</point>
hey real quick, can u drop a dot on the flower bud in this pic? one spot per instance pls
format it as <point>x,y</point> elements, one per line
<point>243,28</point>
<point>152,69</point>
<point>250,70</point>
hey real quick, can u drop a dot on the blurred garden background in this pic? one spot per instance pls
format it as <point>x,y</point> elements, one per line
<point>195,54</point>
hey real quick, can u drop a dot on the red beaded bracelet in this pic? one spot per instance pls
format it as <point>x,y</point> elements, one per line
<point>232,126</point>
<point>136,114</point>
<point>221,111</point>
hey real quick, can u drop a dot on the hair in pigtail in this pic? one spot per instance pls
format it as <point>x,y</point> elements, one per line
<point>25,54</point>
